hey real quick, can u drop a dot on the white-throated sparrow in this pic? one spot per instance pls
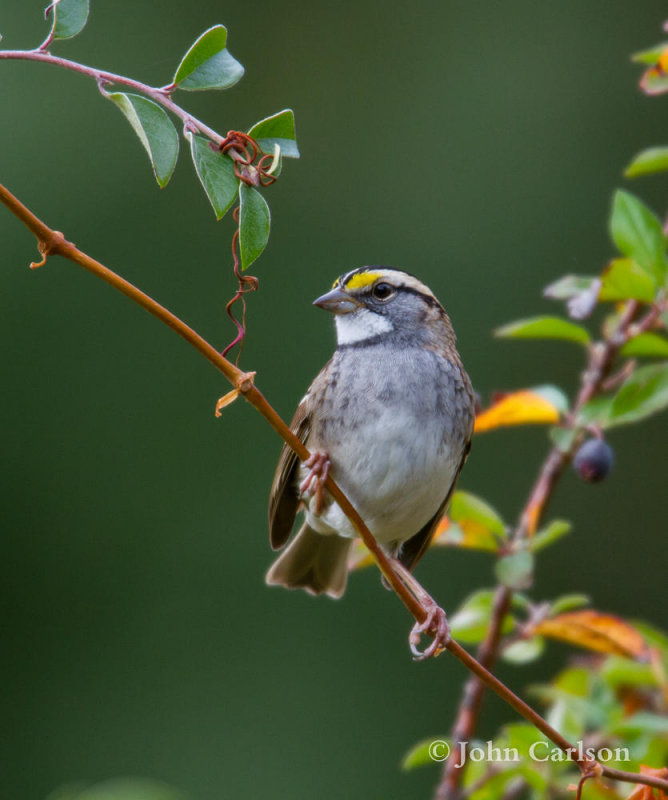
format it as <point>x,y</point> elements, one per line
<point>390,415</point>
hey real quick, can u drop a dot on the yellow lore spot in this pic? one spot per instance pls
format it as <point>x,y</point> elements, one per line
<point>362,279</point>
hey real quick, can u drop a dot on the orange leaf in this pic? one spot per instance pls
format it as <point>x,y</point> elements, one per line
<point>518,408</point>
<point>465,533</point>
<point>642,792</point>
<point>442,528</point>
<point>533,513</point>
<point>663,61</point>
<point>593,630</point>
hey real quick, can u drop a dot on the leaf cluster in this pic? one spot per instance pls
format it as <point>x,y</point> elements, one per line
<point>206,65</point>
<point>617,695</point>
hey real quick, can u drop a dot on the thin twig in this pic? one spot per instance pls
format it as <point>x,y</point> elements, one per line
<point>52,242</point>
<point>104,78</point>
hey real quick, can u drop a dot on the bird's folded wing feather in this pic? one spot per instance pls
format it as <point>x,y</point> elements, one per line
<point>284,497</point>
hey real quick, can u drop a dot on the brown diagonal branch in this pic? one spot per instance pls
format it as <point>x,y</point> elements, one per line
<point>52,242</point>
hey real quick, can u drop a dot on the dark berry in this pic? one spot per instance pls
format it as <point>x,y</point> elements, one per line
<point>593,460</point>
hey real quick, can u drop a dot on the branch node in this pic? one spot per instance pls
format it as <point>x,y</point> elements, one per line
<point>48,247</point>
<point>102,84</point>
<point>244,383</point>
<point>590,769</point>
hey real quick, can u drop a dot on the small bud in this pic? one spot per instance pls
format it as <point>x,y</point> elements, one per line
<point>594,460</point>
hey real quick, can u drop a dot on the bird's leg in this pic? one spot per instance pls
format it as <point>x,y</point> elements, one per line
<point>435,624</point>
<point>318,464</point>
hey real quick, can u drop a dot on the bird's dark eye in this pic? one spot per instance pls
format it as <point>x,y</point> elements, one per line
<point>382,291</point>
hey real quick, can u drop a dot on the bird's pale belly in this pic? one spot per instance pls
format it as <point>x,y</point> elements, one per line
<point>396,481</point>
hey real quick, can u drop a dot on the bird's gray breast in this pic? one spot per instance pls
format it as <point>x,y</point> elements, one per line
<point>394,422</point>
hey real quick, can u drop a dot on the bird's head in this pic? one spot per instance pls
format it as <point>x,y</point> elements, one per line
<point>373,304</point>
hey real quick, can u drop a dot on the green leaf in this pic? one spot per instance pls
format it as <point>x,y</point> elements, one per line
<point>575,681</point>
<point>617,671</point>
<point>544,328</point>
<point>653,636</point>
<point>646,344</point>
<point>524,651</point>
<point>642,722</point>
<point>515,571</point>
<point>470,622</point>
<point>568,721</point>
<point>596,412</point>
<point>208,64</point>
<point>521,736</point>
<point>651,55</point>
<point>624,279</point>
<point>421,753</point>
<point>69,18</point>
<point>568,602</point>
<point>522,602</point>
<point>586,710</point>
<point>155,131</point>
<point>654,159</point>
<point>125,789</point>
<point>568,286</point>
<point>216,173</point>
<point>638,234</point>
<point>547,536</point>
<point>254,223</point>
<point>562,437</point>
<point>467,506</point>
<point>278,129</point>
<point>643,394</point>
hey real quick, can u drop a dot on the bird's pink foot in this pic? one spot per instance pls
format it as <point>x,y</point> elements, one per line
<point>313,484</point>
<point>436,625</point>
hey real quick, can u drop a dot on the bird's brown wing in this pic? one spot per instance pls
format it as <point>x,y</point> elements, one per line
<point>284,496</point>
<point>413,549</point>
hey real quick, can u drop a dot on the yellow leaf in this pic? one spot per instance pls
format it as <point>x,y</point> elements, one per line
<point>360,557</point>
<point>593,630</point>
<point>518,408</point>
<point>465,533</point>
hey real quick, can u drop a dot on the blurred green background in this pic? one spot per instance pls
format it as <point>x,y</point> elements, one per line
<point>475,145</point>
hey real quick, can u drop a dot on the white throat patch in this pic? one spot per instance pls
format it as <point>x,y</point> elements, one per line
<point>360,325</point>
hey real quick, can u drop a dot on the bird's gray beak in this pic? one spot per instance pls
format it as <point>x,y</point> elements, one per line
<point>337,301</point>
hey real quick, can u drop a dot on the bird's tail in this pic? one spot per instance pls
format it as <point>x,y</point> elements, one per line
<point>314,562</point>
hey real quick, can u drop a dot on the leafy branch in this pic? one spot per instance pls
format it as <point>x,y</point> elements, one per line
<point>638,283</point>
<point>231,168</point>
<point>599,365</point>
